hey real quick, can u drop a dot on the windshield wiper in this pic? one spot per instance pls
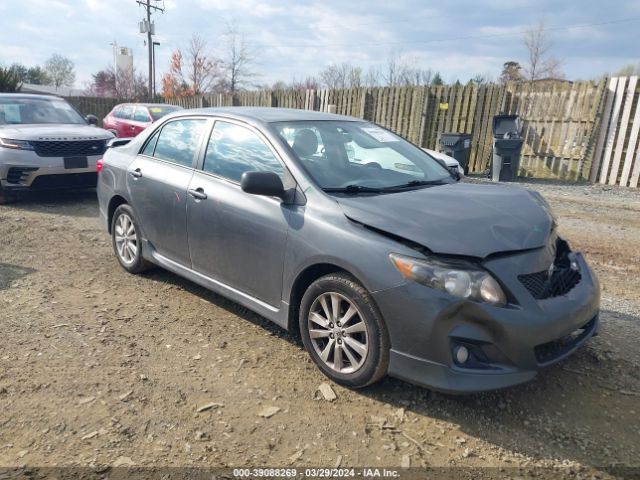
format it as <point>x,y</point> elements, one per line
<point>416,183</point>
<point>353,189</point>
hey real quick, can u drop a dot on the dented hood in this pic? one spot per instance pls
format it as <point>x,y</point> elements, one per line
<point>457,219</point>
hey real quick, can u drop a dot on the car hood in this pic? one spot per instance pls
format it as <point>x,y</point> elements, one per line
<point>55,132</point>
<point>457,219</point>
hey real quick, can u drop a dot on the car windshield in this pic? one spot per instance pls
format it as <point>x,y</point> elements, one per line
<point>18,111</point>
<point>354,157</point>
<point>159,111</point>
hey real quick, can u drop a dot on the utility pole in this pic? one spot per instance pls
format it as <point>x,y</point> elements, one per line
<point>150,31</point>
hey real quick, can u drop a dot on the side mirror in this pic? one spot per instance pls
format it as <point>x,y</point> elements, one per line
<point>91,119</point>
<point>118,142</point>
<point>262,183</point>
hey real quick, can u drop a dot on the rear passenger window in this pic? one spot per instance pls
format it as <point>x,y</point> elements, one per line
<point>179,140</point>
<point>234,149</point>
<point>141,115</point>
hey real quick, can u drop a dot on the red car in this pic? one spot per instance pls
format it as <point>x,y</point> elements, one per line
<point>129,119</point>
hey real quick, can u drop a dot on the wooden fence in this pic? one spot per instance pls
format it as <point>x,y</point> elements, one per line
<point>572,131</point>
<point>616,159</point>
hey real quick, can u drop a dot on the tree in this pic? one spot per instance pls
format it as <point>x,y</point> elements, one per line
<point>344,75</point>
<point>511,72</point>
<point>123,84</point>
<point>437,80</point>
<point>61,71</point>
<point>21,71</point>
<point>309,83</point>
<point>237,61</point>
<point>479,79</point>
<point>9,80</point>
<point>402,70</point>
<point>194,74</point>
<point>37,76</point>
<point>541,64</point>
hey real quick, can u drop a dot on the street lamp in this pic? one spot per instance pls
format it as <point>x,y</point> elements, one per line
<point>155,44</point>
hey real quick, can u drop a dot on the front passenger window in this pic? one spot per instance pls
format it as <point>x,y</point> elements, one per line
<point>179,140</point>
<point>234,149</point>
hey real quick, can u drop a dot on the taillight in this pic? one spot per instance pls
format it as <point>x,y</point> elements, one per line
<point>99,165</point>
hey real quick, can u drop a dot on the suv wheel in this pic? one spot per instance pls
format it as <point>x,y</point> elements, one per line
<point>343,331</point>
<point>126,240</point>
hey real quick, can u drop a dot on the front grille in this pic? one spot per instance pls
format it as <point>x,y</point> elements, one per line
<point>559,281</point>
<point>549,352</point>
<point>46,148</point>
<point>541,286</point>
<point>66,180</point>
<point>17,175</point>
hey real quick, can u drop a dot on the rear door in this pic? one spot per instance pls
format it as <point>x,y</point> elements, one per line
<point>234,237</point>
<point>141,120</point>
<point>158,180</point>
<point>123,116</point>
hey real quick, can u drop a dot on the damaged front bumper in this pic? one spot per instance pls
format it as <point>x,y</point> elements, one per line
<point>505,345</point>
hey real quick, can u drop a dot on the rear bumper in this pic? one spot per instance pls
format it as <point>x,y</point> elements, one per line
<point>509,345</point>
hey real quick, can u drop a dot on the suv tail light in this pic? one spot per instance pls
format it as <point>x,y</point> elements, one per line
<point>99,165</point>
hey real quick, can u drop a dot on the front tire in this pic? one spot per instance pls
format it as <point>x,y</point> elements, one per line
<point>343,331</point>
<point>126,240</point>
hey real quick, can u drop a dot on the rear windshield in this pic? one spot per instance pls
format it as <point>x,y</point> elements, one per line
<point>18,111</point>
<point>159,111</point>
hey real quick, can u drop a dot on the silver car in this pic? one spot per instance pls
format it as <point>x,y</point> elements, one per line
<point>383,267</point>
<point>45,143</point>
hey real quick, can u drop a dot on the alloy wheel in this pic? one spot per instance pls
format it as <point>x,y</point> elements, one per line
<point>338,332</point>
<point>126,239</point>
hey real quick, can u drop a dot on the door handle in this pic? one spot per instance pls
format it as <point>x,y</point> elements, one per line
<point>198,194</point>
<point>135,173</point>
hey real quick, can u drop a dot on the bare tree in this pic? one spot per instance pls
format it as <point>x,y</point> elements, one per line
<point>123,84</point>
<point>60,70</point>
<point>195,73</point>
<point>343,75</point>
<point>309,83</point>
<point>402,70</point>
<point>541,64</point>
<point>237,61</point>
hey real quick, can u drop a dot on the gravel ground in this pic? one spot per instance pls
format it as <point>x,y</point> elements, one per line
<point>101,368</point>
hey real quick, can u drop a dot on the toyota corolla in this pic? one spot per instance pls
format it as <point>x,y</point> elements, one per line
<point>382,267</point>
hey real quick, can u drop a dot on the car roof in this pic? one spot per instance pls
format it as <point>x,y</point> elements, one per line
<point>29,95</point>
<point>148,105</point>
<point>266,114</point>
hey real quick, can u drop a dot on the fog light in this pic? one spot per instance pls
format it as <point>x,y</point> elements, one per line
<point>461,354</point>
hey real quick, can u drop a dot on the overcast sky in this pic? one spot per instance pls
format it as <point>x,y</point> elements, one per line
<point>295,38</point>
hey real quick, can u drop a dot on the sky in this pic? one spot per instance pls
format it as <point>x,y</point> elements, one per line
<point>295,38</point>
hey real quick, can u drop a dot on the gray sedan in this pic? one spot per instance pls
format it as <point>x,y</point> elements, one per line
<point>383,267</point>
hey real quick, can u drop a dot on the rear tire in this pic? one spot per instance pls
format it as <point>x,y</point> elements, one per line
<point>350,342</point>
<point>126,240</point>
<point>5,197</point>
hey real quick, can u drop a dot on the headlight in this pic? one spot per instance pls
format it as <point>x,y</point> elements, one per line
<point>457,279</point>
<point>15,144</point>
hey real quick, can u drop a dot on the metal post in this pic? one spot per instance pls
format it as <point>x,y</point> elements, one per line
<point>150,44</point>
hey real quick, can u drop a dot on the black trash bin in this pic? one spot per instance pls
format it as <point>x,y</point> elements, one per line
<point>507,145</point>
<point>458,146</point>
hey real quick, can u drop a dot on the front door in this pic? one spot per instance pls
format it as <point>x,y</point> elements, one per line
<point>158,180</point>
<point>234,237</point>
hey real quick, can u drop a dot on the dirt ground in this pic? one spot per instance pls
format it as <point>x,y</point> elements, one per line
<point>99,367</point>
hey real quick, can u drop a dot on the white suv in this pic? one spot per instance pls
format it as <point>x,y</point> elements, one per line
<point>46,144</point>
